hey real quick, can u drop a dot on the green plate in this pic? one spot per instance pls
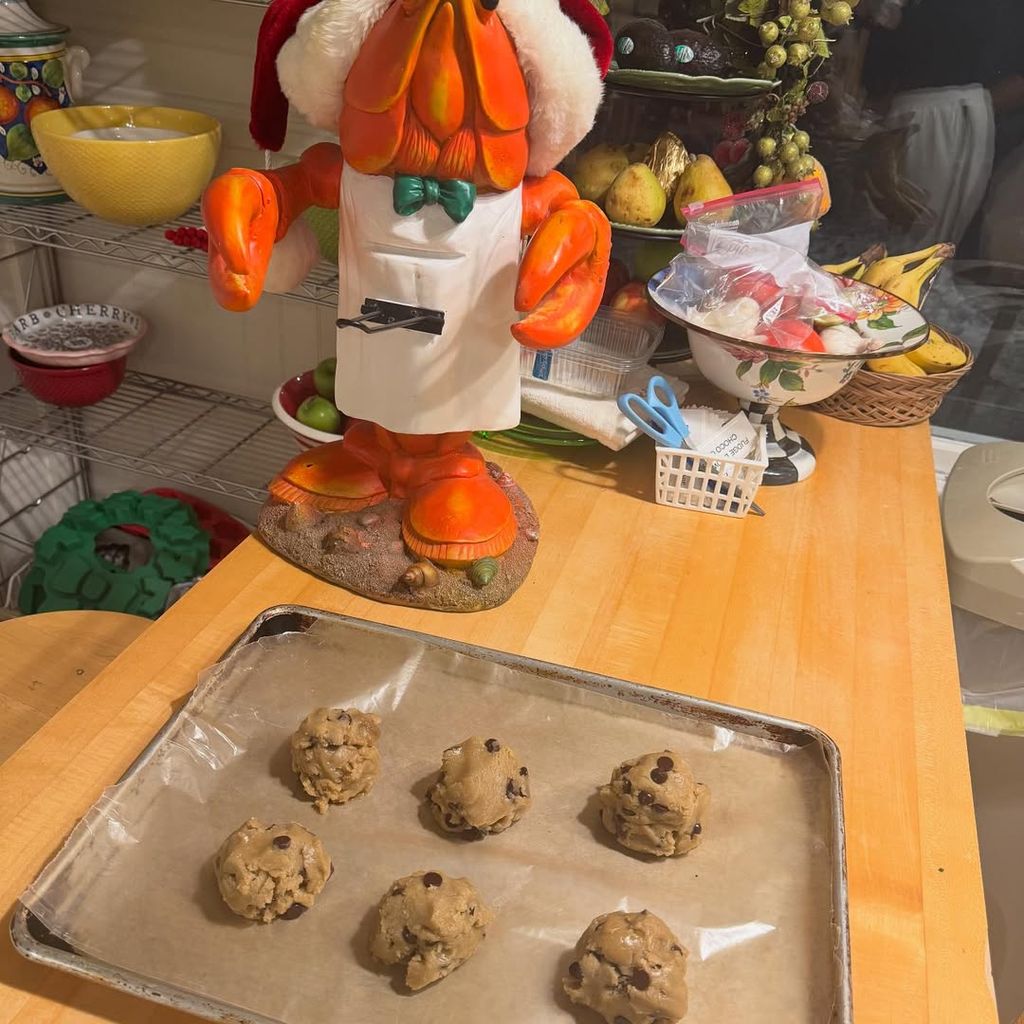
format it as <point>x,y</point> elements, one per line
<point>689,85</point>
<point>632,229</point>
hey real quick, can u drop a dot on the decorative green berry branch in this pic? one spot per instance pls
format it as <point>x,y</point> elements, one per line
<point>785,41</point>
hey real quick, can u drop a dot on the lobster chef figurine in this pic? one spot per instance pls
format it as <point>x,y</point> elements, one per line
<point>450,116</point>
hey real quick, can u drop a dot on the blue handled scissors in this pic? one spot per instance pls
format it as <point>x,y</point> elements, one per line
<point>658,414</point>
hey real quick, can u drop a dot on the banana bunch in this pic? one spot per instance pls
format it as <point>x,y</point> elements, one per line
<point>906,276</point>
<point>856,267</point>
<point>936,355</point>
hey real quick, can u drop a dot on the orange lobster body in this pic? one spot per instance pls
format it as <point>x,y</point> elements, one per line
<point>437,90</point>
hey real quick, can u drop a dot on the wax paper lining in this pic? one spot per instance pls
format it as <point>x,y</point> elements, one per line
<point>134,885</point>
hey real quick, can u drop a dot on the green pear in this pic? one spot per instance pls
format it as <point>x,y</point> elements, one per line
<point>702,181</point>
<point>596,169</point>
<point>636,198</point>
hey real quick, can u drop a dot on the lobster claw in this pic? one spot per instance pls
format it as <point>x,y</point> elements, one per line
<point>241,212</point>
<point>561,278</point>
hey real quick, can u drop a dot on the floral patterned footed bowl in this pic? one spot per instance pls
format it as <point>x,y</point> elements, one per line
<point>766,378</point>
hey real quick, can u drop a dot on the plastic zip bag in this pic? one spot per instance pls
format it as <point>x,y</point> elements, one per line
<point>783,214</point>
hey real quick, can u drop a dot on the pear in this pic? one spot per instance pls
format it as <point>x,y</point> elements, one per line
<point>635,198</point>
<point>596,169</point>
<point>701,181</point>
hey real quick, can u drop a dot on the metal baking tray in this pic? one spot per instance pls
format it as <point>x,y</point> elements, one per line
<point>627,707</point>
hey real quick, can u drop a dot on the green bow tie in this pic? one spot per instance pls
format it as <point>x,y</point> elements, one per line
<point>412,193</point>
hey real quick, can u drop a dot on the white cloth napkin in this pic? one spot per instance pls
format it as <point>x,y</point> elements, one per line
<point>597,418</point>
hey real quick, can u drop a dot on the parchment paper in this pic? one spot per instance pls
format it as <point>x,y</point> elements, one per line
<point>134,886</point>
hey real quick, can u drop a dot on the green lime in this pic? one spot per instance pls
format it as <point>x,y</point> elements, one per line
<point>20,144</point>
<point>53,74</point>
<point>19,70</point>
<point>323,377</point>
<point>318,413</point>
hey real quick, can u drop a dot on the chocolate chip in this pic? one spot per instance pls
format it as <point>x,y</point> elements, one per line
<point>304,875</point>
<point>659,808</point>
<point>432,880</point>
<point>627,786</point>
<point>524,770</point>
<point>408,936</point>
<point>575,970</point>
<point>492,745</point>
<point>294,911</point>
<point>641,980</point>
<point>658,776</point>
<point>666,764</point>
<point>696,830</point>
<point>645,798</point>
<point>510,789</point>
<point>282,842</point>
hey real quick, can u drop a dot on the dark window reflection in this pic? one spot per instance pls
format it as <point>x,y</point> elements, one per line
<point>923,138</point>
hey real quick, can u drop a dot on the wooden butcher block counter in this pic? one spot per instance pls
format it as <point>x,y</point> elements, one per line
<point>832,610</point>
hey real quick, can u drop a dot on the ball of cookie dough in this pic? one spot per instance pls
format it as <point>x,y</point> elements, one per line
<point>268,871</point>
<point>334,754</point>
<point>630,968</point>
<point>430,922</point>
<point>483,788</point>
<point>652,805</point>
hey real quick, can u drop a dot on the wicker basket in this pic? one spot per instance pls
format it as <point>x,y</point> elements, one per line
<point>889,400</point>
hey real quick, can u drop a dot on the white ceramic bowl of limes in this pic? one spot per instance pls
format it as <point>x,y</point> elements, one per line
<point>285,402</point>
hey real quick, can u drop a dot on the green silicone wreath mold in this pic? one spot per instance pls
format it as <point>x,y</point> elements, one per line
<point>67,573</point>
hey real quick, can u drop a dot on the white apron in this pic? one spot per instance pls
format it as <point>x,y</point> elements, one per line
<point>468,377</point>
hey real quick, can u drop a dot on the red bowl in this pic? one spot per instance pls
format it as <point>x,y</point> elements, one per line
<point>69,385</point>
<point>285,402</point>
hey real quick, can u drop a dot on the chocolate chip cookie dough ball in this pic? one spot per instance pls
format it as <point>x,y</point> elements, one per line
<point>431,923</point>
<point>652,805</point>
<point>334,754</point>
<point>630,968</point>
<point>483,788</point>
<point>269,871</point>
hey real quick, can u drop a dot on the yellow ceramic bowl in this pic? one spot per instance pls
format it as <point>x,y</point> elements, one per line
<point>131,165</point>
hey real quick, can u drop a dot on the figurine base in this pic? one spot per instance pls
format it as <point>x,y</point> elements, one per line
<point>364,552</point>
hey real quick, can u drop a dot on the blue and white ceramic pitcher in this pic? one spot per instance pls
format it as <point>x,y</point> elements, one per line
<point>38,71</point>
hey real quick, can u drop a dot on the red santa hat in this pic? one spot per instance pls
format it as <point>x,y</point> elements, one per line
<point>306,49</point>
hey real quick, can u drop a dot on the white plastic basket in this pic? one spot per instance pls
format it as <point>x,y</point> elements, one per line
<point>724,487</point>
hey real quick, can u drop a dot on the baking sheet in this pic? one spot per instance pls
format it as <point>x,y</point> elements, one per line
<point>754,904</point>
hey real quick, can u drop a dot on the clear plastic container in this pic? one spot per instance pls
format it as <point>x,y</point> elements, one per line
<point>598,362</point>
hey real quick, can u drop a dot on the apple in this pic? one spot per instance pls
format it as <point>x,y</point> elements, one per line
<point>618,275</point>
<point>632,300</point>
<point>318,413</point>
<point>323,377</point>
